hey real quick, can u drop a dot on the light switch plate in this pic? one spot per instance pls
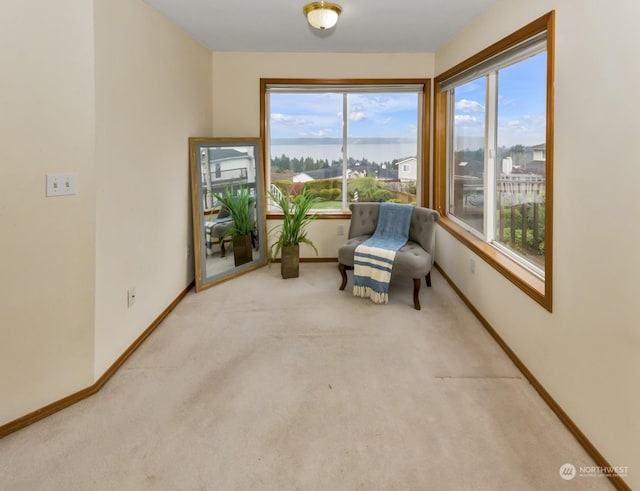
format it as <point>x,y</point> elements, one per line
<point>61,184</point>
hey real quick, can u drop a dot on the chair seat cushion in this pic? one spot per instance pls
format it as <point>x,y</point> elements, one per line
<point>411,260</point>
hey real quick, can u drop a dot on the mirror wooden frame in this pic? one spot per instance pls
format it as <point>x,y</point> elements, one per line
<point>198,148</point>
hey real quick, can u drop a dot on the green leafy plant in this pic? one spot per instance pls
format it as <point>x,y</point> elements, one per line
<point>296,216</point>
<point>369,189</point>
<point>239,206</point>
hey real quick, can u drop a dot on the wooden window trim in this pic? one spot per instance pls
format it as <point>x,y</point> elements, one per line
<point>331,215</point>
<point>539,290</point>
<point>425,123</point>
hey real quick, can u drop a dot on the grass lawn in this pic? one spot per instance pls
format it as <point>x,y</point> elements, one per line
<point>322,205</point>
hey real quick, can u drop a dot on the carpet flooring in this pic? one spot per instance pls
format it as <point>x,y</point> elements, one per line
<point>262,383</point>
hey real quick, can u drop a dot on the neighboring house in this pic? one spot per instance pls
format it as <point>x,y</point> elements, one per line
<point>540,152</point>
<point>538,164</point>
<point>222,168</point>
<point>325,173</point>
<point>383,174</point>
<point>227,165</point>
<point>408,169</point>
<point>302,177</point>
<point>353,172</point>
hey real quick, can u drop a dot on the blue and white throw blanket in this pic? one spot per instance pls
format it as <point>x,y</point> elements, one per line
<point>373,259</point>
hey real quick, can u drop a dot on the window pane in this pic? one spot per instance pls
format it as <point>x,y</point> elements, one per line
<point>382,149</point>
<point>467,163</point>
<point>306,144</point>
<point>521,159</point>
<point>377,162</point>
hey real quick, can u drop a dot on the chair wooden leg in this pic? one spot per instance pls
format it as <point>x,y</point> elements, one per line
<point>222,251</point>
<point>416,293</point>
<point>343,271</point>
<point>428,278</point>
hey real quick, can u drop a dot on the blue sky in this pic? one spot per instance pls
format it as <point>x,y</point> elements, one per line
<point>320,115</point>
<point>521,110</point>
<point>521,104</point>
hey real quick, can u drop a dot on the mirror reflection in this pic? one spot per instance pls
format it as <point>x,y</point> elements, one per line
<point>227,207</point>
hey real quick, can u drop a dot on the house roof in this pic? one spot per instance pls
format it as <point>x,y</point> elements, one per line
<point>326,173</point>
<point>332,172</point>
<point>410,159</point>
<point>227,154</point>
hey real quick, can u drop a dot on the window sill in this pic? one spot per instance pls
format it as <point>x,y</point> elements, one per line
<point>320,215</point>
<point>529,283</point>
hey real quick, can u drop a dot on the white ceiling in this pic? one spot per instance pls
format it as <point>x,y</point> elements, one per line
<point>365,26</point>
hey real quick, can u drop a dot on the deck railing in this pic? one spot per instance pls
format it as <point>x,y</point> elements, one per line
<point>522,199</point>
<point>520,210</point>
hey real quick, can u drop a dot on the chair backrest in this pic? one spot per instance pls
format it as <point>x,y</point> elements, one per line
<point>223,213</point>
<point>364,219</point>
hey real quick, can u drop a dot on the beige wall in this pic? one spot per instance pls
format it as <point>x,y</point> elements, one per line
<point>153,91</point>
<point>118,115</point>
<point>46,244</point>
<point>236,99</point>
<point>586,352</point>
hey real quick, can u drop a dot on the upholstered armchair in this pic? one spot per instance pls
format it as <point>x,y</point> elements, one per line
<point>414,260</point>
<point>222,223</point>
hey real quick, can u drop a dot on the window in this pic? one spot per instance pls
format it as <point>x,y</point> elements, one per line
<point>345,142</point>
<point>493,155</point>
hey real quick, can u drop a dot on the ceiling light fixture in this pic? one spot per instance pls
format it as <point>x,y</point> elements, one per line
<point>322,15</point>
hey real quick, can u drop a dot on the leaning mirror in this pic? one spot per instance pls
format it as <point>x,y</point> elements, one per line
<point>227,204</point>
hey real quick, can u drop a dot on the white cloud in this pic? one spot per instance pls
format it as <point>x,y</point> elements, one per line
<point>320,133</point>
<point>382,103</point>
<point>467,106</point>
<point>355,115</point>
<point>313,114</point>
<point>467,119</point>
<point>523,130</point>
<point>504,102</point>
<point>287,119</point>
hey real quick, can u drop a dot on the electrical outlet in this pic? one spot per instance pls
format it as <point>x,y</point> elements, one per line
<point>472,266</point>
<point>131,297</point>
<point>189,253</point>
<point>340,229</point>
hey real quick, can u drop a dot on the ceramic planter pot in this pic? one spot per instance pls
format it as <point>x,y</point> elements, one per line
<point>242,250</point>
<point>290,261</point>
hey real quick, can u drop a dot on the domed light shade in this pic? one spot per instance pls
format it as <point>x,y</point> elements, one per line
<point>322,15</point>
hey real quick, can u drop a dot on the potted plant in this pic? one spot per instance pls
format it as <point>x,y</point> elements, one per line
<point>293,230</point>
<point>239,207</point>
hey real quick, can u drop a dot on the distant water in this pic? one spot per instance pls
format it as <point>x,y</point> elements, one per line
<point>383,152</point>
